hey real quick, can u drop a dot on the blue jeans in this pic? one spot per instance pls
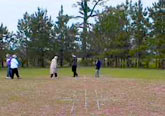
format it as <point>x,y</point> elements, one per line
<point>9,72</point>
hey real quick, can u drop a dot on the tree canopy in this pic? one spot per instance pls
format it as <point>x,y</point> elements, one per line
<point>127,35</point>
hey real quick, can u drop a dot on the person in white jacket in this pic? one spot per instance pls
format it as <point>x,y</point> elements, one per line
<point>53,67</point>
<point>14,67</point>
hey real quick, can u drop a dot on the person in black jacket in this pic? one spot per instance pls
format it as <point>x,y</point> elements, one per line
<point>74,66</point>
<point>98,66</point>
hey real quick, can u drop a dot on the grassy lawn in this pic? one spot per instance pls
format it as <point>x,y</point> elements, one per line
<point>147,74</point>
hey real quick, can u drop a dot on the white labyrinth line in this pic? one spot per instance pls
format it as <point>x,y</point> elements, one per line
<point>102,97</point>
<point>86,105</point>
<point>73,105</point>
<point>85,100</point>
<point>97,100</point>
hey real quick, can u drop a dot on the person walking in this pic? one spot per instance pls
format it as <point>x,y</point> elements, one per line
<point>98,66</point>
<point>8,62</point>
<point>14,67</point>
<point>53,67</point>
<point>74,66</point>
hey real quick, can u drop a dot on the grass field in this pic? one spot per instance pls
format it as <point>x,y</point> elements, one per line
<point>119,92</point>
<point>147,74</point>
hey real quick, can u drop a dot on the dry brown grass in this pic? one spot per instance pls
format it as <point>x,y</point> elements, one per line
<point>85,96</point>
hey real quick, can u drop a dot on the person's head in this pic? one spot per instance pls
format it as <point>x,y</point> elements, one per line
<point>73,56</point>
<point>14,56</point>
<point>55,57</point>
<point>7,55</point>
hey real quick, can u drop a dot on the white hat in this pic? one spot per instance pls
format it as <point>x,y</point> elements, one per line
<point>73,56</point>
<point>14,56</point>
<point>55,57</point>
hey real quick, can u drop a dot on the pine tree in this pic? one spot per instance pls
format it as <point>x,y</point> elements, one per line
<point>157,33</point>
<point>3,42</point>
<point>66,37</point>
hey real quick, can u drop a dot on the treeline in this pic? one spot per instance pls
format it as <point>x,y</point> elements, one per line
<point>127,35</point>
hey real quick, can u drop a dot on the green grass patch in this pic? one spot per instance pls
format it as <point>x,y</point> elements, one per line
<point>147,74</point>
<point>35,73</point>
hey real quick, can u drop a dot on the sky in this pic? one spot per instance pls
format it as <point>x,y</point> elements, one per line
<point>12,10</point>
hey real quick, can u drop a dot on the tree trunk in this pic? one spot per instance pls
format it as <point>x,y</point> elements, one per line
<point>121,63</point>
<point>147,64</point>
<point>27,64</point>
<point>85,21</point>
<point>84,40</point>
<point>23,64</point>
<point>61,57</point>
<point>115,62</point>
<point>163,64</point>
<point>128,63</point>
<point>156,63</point>
<point>159,63</point>
<point>2,63</point>
<point>42,59</point>
<point>137,62</point>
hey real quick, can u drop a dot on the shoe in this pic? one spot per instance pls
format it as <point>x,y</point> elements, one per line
<point>9,78</point>
<point>56,77</point>
<point>52,78</point>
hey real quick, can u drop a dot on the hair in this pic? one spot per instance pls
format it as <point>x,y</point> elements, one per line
<point>7,55</point>
<point>14,56</point>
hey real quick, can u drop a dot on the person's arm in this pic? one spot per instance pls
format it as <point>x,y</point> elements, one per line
<point>97,65</point>
<point>7,60</point>
<point>19,63</point>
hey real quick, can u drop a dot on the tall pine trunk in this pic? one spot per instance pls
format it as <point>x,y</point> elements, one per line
<point>2,63</point>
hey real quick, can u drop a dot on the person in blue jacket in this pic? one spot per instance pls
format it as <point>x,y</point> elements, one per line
<point>98,67</point>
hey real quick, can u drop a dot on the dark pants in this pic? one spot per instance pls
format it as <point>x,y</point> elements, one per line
<point>55,75</point>
<point>14,71</point>
<point>74,70</point>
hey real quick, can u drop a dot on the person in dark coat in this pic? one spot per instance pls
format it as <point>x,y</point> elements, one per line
<point>74,66</point>
<point>98,67</point>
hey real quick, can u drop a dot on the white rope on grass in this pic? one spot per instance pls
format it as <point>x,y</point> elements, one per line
<point>103,100</point>
<point>73,104</point>
<point>97,100</point>
<point>85,96</point>
<point>86,104</point>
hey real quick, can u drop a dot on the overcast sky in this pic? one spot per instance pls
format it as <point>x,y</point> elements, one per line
<point>12,10</point>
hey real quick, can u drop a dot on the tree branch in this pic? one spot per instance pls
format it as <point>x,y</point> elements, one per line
<point>96,3</point>
<point>94,15</point>
<point>76,17</point>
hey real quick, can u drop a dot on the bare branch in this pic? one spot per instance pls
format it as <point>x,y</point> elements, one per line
<point>96,3</point>
<point>81,12</point>
<point>94,15</point>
